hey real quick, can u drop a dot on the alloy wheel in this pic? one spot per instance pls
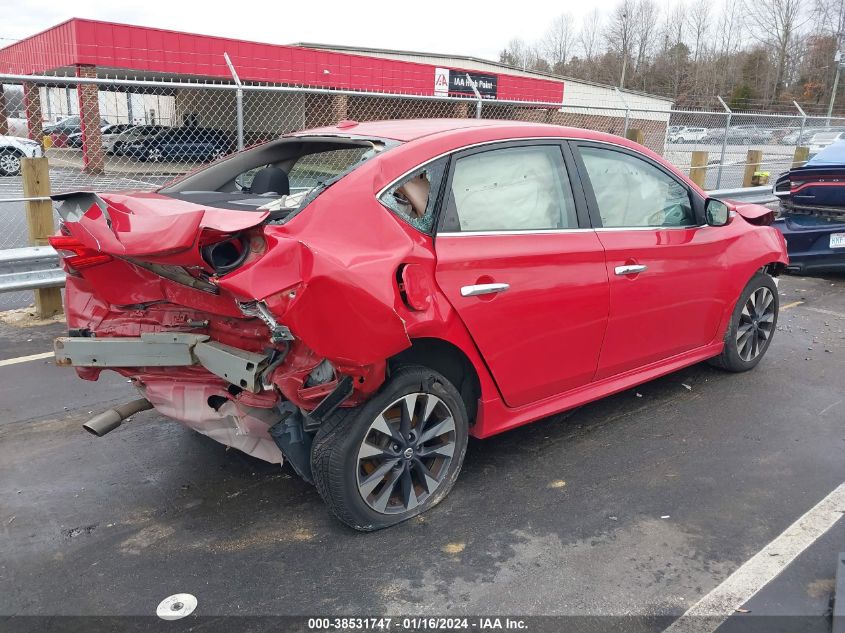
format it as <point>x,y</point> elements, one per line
<point>755,324</point>
<point>406,453</point>
<point>10,164</point>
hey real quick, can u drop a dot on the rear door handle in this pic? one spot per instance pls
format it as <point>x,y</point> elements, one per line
<point>631,269</point>
<point>483,289</point>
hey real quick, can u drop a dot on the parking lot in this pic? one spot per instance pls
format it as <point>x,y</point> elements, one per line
<point>626,512</point>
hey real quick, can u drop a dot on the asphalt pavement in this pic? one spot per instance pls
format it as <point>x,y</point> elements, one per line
<point>630,509</point>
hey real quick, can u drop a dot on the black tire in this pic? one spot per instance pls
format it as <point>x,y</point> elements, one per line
<point>338,467</point>
<point>736,356</point>
<point>10,163</point>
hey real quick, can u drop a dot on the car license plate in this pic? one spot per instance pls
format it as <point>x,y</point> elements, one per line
<point>837,240</point>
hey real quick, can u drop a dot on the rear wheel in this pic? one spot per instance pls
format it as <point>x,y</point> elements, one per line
<point>753,324</point>
<point>10,163</point>
<point>395,456</point>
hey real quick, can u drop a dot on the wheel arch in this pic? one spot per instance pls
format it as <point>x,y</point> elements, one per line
<point>774,267</point>
<point>447,359</point>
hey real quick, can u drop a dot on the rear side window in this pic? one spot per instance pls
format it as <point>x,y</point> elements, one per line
<point>631,192</point>
<point>510,189</point>
<point>414,197</point>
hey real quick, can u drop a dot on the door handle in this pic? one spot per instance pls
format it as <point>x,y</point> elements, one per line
<point>483,289</point>
<point>631,269</point>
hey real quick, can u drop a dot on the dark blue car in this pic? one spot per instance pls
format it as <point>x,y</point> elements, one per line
<point>812,212</point>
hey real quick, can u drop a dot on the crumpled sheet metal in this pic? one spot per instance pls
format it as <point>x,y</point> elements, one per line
<point>242,427</point>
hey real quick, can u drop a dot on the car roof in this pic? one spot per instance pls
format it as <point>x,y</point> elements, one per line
<point>411,129</point>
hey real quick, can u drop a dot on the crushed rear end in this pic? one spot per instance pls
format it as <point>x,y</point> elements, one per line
<point>236,324</point>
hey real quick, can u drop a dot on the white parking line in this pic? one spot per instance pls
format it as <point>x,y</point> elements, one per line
<point>25,359</point>
<point>709,613</point>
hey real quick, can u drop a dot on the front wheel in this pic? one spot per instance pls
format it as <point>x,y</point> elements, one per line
<point>395,456</point>
<point>753,324</point>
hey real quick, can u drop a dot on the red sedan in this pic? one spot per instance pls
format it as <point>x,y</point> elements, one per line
<point>358,300</point>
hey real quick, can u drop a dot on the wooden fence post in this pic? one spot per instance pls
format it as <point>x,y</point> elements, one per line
<point>801,156</point>
<point>752,164</point>
<point>698,168</point>
<point>39,222</point>
<point>635,134</point>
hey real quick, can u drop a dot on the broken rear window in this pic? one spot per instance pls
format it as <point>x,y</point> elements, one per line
<point>281,176</point>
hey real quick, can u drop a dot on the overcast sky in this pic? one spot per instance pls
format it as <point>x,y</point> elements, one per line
<point>479,29</point>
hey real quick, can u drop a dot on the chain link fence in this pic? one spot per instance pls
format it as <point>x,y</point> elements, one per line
<point>126,134</point>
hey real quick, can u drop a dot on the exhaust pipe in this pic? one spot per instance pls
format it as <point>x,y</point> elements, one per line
<point>112,418</point>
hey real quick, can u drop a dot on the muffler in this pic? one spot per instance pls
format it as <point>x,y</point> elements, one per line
<point>112,418</point>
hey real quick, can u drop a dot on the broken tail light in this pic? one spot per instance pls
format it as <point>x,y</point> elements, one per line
<point>76,255</point>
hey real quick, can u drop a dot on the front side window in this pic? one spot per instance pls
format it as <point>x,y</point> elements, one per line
<point>631,192</point>
<point>414,197</point>
<point>510,189</point>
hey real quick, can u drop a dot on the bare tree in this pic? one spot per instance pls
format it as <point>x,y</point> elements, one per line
<point>777,25</point>
<point>674,47</point>
<point>698,21</point>
<point>588,36</point>
<point>646,22</point>
<point>829,16</point>
<point>558,41</point>
<point>745,50</point>
<point>620,33</point>
<point>516,53</point>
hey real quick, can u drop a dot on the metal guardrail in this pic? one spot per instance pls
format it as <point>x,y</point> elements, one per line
<point>36,267</point>
<point>30,268</point>
<point>756,195</point>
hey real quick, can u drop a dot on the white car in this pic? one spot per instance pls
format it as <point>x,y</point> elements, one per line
<point>688,135</point>
<point>821,140</point>
<point>12,149</point>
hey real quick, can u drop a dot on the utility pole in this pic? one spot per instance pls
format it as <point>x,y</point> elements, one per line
<point>624,67</point>
<point>838,59</point>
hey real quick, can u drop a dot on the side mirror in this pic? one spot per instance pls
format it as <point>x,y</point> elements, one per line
<point>716,212</point>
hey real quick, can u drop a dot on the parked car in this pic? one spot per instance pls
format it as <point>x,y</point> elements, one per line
<point>779,134</point>
<point>805,135</point>
<point>69,125</point>
<point>331,329</point>
<point>75,140</point>
<point>738,134</point>
<point>821,140</point>
<point>12,149</point>
<point>812,214</point>
<point>182,143</point>
<point>113,143</point>
<point>688,135</point>
<point>68,132</point>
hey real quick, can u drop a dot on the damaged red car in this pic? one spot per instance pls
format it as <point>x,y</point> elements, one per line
<point>359,300</point>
